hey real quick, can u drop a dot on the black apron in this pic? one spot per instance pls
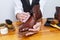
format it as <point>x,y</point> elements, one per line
<point>27,7</point>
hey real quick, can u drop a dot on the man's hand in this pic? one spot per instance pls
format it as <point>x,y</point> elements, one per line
<point>23,17</point>
<point>36,27</point>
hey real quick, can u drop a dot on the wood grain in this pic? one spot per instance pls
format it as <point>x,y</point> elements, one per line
<point>46,33</point>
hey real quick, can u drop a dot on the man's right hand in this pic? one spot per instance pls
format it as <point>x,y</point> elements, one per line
<point>23,17</point>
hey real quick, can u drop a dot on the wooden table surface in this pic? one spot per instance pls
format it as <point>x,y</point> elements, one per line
<point>46,33</point>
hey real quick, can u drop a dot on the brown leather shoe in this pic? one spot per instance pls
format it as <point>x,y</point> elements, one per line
<point>32,20</point>
<point>57,14</point>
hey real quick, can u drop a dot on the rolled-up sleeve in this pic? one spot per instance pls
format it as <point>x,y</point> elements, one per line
<point>18,7</point>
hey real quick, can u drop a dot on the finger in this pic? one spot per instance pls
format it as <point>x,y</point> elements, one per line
<point>30,33</point>
<point>34,30</point>
<point>24,17</point>
<point>37,25</point>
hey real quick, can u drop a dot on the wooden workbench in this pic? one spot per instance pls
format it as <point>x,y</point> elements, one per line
<point>46,33</point>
